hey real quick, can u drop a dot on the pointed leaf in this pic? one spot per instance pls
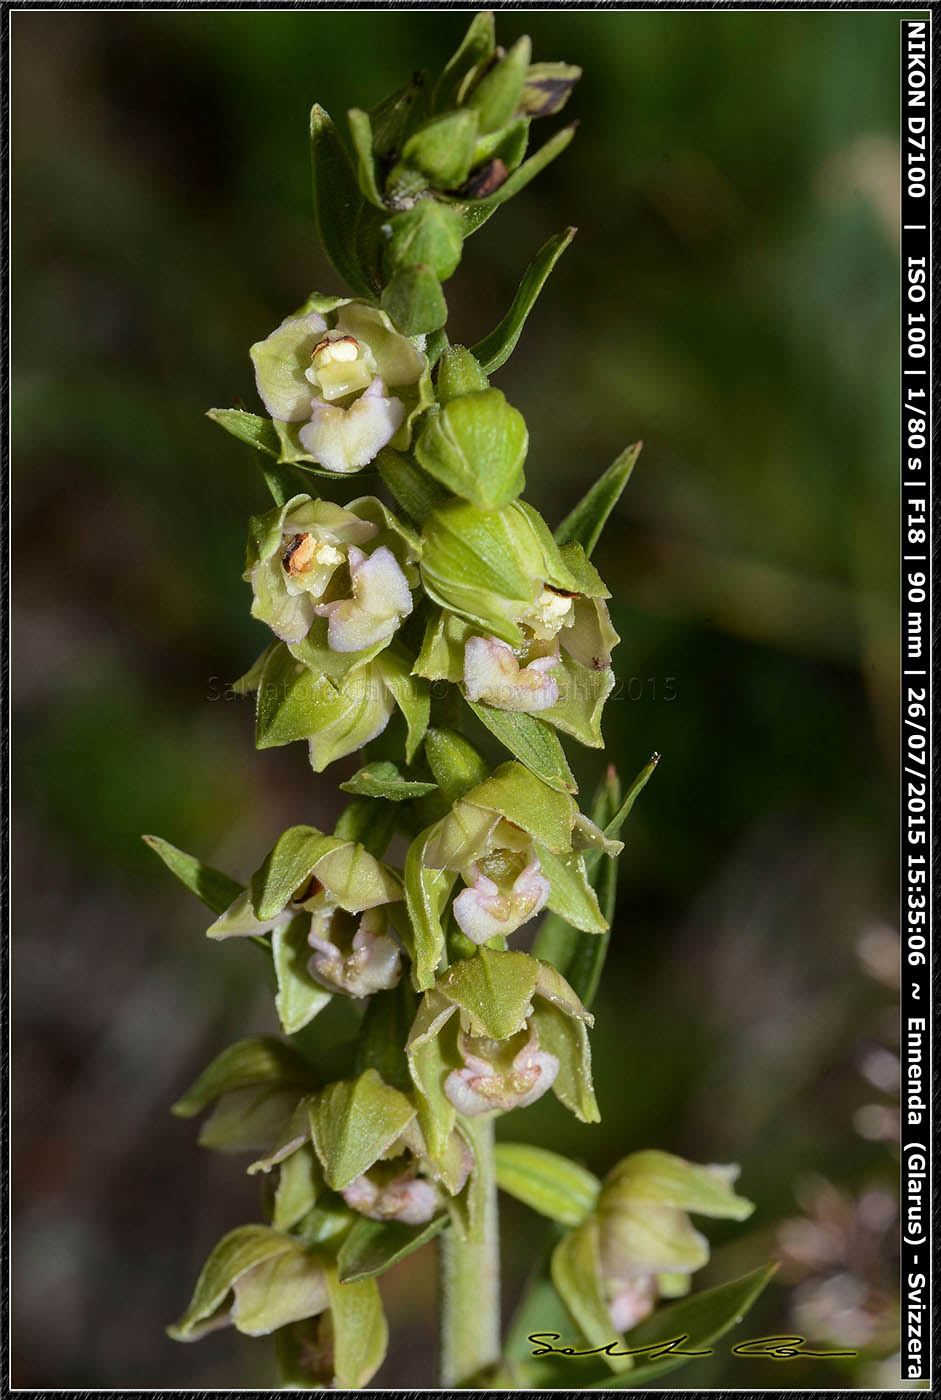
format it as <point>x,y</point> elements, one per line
<point>496,348</point>
<point>248,427</point>
<point>566,1037</point>
<point>211,886</point>
<point>386,779</point>
<point>571,897</point>
<point>584,522</point>
<point>546,1182</point>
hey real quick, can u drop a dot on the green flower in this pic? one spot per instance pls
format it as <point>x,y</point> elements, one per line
<point>340,386</point>
<point>641,1239</point>
<point>353,565</point>
<point>517,845</point>
<point>325,903</point>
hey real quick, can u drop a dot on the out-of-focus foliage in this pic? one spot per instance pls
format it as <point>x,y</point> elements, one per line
<point>734,184</point>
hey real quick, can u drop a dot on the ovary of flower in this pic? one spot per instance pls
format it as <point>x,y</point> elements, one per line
<point>492,672</point>
<point>408,1199</point>
<point>372,965</point>
<point>551,612</point>
<point>381,598</point>
<point>345,439</point>
<point>632,1302</point>
<point>483,912</point>
<point>340,365</point>
<point>481,1088</point>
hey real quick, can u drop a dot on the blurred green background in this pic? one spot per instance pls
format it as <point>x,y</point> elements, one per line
<point>731,298</point>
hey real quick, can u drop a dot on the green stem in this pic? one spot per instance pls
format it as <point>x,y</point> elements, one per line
<point>470,1279</point>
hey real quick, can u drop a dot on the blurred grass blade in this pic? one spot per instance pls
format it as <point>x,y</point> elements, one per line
<point>496,348</point>
<point>532,741</point>
<point>585,523</point>
<point>211,886</point>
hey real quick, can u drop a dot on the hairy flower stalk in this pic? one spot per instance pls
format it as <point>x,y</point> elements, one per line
<point>412,1018</point>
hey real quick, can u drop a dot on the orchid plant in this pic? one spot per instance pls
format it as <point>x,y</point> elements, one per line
<point>404,627</point>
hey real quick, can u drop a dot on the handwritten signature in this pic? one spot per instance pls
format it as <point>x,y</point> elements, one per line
<point>778,1348</point>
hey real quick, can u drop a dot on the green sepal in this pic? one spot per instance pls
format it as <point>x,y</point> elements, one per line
<point>547,88</point>
<point>515,793</point>
<point>585,521</point>
<point>532,741</point>
<point>249,1249</point>
<point>385,779</point>
<point>565,1035</point>
<point>494,989</point>
<point>429,234</point>
<point>249,1120</point>
<point>572,897</point>
<point>660,1178</point>
<point>454,762</point>
<point>579,708</point>
<point>353,1123</point>
<point>410,694</point>
<point>250,428</point>
<point>211,886</point>
<point>258,1060</point>
<point>546,1182</point>
<point>426,893</point>
<point>496,348</point>
<point>300,1182</point>
<point>358,1329</point>
<point>298,998</point>
<point>576,1273</point>
<point>287,867</point>
<point>475,445</point>
<point>373,1246</point>
<point>431,1052</point>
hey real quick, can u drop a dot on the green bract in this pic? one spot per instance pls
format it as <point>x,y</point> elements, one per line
<point>340,386</point>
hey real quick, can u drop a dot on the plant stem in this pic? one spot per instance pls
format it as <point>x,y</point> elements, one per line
<point>470,1279</point>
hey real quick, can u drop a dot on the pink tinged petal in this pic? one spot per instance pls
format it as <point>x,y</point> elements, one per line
<point>280,363</point>
<point>361,1195</point>
<point>373,964</point>
<point>381,598</point>
<point>345,439</point>
<point>482,912</point>
<point>413,1202</point>
<point>492,672</point>
<point>480,1088</point>
<point>632,1303</point>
